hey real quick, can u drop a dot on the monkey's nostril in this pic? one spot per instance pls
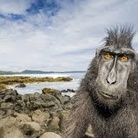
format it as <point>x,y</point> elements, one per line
<point>110,82</point>
<point>113,82</point>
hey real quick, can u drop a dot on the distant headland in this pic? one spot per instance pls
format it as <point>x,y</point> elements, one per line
<point>36,72</point>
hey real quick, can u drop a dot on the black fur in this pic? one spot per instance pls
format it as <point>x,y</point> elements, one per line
<point>120,121</point>
<point>120,37</point>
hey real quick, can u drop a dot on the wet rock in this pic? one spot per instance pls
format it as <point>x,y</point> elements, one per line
<point>68,90</point>
<point>21,85</point>
<point>49,91</point>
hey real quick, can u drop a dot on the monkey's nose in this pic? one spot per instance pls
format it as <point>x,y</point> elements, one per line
<point>111,79</point>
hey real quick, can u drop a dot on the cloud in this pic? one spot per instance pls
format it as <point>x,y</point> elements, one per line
<point>57,35</point>
<point>13,6</point>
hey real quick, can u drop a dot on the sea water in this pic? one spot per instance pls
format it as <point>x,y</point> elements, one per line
<point>37,87</point>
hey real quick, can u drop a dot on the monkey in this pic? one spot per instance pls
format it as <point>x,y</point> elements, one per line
<point>108,94</point>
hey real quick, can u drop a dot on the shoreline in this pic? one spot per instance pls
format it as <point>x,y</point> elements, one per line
<point>12,80</point>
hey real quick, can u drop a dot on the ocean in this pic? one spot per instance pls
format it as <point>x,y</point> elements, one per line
<point>37,87</point>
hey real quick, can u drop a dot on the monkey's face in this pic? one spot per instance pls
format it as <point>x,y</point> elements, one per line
<point>113,73</point>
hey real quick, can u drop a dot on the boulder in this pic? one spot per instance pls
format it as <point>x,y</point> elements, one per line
<point>11,132</point>
<point>50,102</point>
<point>53,124</point>
<point>9,98</point>
<point>49,91</point>
<point>40,117</point>
<point>30,128</point>
<point>50,135</point>
<point>63,118</point>
<point>7,105</point>
<point>7,121</point>
<point>9,128</point>
<point>68,90</point>
<point>22,117</point>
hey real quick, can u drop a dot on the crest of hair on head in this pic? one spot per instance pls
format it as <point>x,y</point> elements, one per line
<point>120,37</point>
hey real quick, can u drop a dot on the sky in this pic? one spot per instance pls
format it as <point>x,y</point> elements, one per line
<point>58,35</point>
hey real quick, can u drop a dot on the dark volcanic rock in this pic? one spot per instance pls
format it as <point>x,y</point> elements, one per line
<point>68,90</point>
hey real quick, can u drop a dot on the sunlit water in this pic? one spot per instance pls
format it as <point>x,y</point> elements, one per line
<point>37,87</point>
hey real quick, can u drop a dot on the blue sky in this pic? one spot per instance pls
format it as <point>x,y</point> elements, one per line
<point>58,35</point>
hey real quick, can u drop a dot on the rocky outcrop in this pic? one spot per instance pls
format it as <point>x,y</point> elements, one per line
<point>38,115</point>
<point>49,91</point>
<point>32,115</point>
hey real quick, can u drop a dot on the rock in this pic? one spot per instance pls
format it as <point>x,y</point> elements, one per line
<point>30,128</point>
<point>9,98</point>
<point>11,132</point>
<point>50,135</point>
<point>68,106</point>
<point>21,85</point>
<point>32,114</point>
<point>7,121</point>
<point>2,113</point>
<point>10,92</point>
<point>22,117</point>
<point>50,102</point>
<point>9,112</point>
<point>53,125</point>
<point>63,117</point>
<point>66,99</point>
<point>7,105</point>
<point>40,117</point>
<point>49,91</point>
<point>68,90</point>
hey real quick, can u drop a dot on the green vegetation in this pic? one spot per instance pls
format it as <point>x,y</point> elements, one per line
<point>5,81</point>
<point>49,91</point>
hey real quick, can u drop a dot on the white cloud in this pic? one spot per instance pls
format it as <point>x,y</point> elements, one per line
<point>14,6</point>
<point>56,43</point>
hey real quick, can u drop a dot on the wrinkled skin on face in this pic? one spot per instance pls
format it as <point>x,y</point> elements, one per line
<point>115,66</point>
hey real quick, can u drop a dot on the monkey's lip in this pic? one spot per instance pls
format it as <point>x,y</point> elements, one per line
<point>108,96</point>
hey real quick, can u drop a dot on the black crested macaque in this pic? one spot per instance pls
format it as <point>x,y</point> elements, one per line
<point>108,95</point>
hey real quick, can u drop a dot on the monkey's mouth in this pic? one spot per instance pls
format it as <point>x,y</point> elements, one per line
<point>107,96</point>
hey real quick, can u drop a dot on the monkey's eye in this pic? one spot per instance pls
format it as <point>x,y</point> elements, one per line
<point>107,56</point>
<point>124,58</point>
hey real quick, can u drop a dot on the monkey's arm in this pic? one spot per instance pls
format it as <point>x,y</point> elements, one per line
<point>79,117</point>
